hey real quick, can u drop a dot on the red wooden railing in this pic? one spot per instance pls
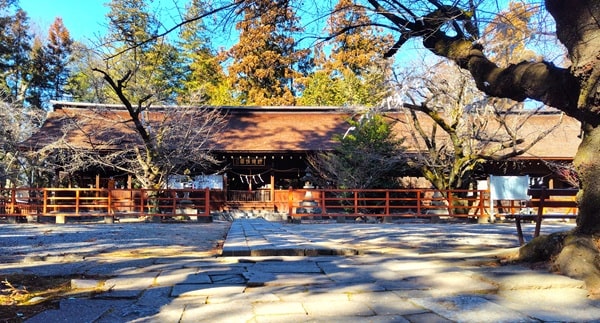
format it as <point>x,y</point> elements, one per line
<point>400,202</point>
<point>61,202</point>
<point>103,202</point>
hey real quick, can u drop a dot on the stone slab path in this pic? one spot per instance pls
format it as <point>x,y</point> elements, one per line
<point>279,272</point>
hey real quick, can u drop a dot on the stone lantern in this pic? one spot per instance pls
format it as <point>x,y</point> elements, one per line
<point>308,205</point>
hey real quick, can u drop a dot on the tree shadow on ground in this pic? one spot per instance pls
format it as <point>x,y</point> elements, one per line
<point>130,286</point>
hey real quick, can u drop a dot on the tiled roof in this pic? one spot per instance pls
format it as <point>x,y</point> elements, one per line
<point>271,130</point>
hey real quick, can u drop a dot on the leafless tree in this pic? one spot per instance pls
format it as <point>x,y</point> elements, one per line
<point>150,143</point>
<point>454,129</point>
<point>16,124</point>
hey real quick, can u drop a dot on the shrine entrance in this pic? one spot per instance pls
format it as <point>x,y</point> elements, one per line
<point>256,177</point>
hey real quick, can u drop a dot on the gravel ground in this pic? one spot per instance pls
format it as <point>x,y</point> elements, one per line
<point>73,241</point>
<point>33,242</point>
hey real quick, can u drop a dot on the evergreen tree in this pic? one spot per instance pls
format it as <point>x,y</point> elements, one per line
<point>31,71</point>
<point>38,68</point>
<point>204,77</point>
<point>7,8</point>
<point>368,155</point>
<point>265,61</point>
<point>352,71</point>
<point>58,53</point>
<point>15,54</point>
<point>151,66</point>
<point>131,23</point>
<point>48,66</point>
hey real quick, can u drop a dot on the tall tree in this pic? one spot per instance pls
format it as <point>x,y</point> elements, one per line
<point>451,29</point>
<point>350,67</point>
<point>58,53</point>
<point>32,69</point>
<point>15,55</point>
<point>48,66</point>
<point>204,77</point>
<point>265,61</point>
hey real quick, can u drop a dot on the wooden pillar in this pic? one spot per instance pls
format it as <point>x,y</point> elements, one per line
<point>225,187</point>
<point>290,203</point>
<point>272,183</point>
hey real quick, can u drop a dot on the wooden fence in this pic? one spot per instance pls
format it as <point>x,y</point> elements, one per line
<point>79,202</point>
<point>382,203</point>
<point>296,203</point>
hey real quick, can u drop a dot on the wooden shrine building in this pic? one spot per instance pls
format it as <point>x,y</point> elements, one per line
<point>263,149</point>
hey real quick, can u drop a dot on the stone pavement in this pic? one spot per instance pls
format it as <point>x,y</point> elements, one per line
<point>276,272</point>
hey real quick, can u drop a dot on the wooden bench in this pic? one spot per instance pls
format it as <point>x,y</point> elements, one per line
<point>541,198</point>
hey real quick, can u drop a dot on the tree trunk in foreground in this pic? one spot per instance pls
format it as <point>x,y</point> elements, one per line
<point>576,253</point>
<point>587,163</point>
<point>574,90</point>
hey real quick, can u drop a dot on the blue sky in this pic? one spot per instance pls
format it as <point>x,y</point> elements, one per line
<point>83,18</point>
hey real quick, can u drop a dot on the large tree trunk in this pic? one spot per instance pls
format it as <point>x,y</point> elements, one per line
<point>576,253</point>
<point>587,163</point>
<point>574,90</point>
<point>578,29</point>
